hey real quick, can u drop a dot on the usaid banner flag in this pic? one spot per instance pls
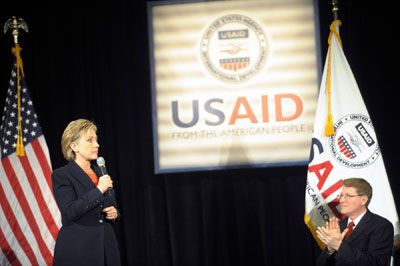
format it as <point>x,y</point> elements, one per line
<point>352,151</point>
<point>234,83</point>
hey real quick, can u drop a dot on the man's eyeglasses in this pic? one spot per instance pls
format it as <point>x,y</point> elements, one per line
<point>347,196</point>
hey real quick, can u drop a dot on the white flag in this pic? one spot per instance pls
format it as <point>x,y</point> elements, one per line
<point>351,151</point>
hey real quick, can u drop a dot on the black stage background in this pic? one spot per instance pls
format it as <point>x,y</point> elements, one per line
<point>93,62</point>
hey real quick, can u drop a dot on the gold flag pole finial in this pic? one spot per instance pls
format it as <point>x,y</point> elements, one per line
<point>14,25</point>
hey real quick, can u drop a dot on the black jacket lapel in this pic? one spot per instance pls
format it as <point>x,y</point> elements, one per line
<point>361,226</point>
<point>80,175</point>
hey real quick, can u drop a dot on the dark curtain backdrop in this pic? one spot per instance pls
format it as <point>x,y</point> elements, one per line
<point>91,60</point>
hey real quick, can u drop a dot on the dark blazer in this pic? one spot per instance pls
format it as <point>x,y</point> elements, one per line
<point>86,236</point>
<point>371,243</point>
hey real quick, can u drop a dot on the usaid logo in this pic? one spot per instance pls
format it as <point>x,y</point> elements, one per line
<point>233,34</point>
<point>365,134</point>
<point>234,48</point>
<point>354,144</point>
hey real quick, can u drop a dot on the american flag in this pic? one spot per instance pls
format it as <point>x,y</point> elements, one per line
<point>29,217</point>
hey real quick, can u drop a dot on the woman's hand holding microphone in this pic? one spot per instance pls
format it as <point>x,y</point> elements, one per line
<point>105,183</point>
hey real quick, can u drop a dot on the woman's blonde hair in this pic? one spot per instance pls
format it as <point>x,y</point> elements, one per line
<point>72,133</point>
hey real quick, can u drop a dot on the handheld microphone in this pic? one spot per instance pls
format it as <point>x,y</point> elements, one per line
<point>102,164</point>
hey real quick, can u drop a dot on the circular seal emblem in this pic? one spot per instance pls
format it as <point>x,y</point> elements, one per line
<point>234,48</point>
<point>355,144</point>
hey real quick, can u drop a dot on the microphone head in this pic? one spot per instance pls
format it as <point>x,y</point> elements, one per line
<point>100,161</point>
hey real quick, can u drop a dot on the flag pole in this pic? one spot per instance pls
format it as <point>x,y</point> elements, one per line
<point>14,25</point>
<point>335,9</point>
<point>329,127</point>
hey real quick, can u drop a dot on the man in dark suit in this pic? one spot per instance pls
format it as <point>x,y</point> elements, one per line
<point>363,238</point>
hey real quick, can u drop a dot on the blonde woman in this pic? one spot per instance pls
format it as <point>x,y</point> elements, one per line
<point>86,201</point>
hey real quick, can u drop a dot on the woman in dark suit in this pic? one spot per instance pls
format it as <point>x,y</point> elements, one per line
<point>86,201</point>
